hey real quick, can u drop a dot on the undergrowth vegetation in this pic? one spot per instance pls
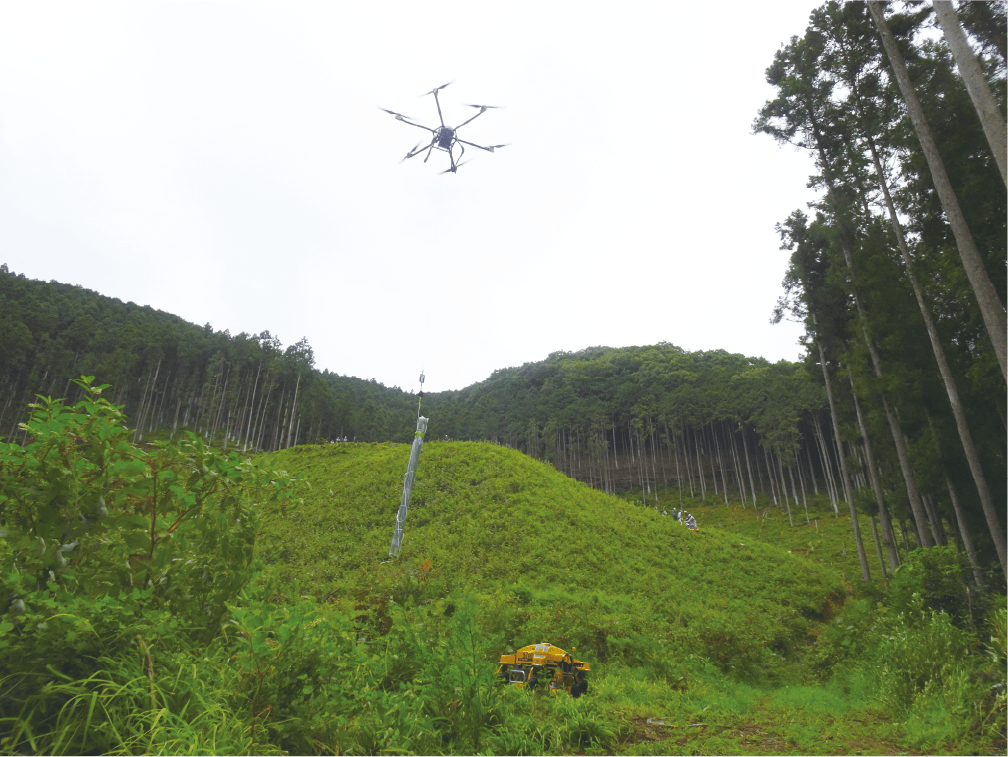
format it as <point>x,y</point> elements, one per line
<point>173,599</point>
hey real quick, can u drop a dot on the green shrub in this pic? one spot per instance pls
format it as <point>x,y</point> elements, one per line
<point>113,556</point>
<point>927,678</point>
<point>943,581</point>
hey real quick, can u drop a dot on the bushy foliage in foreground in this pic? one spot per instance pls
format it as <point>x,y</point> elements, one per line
<point>110,552</point>
<point>134,621</point>
<point>170,600</point>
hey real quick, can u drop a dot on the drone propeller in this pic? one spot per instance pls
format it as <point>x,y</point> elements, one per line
<point>437,89</point>
<point>454,168</point>
<point>484,107</point>
<point>412,152</point>
<point>393,113</point>
<point>494,147</point>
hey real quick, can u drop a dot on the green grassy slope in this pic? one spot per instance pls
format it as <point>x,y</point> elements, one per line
<point>742,638</point>
<point>549,557</point>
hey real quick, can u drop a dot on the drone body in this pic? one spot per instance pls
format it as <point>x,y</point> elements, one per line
<point>444,138</point>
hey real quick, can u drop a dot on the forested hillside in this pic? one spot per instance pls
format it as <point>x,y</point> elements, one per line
<point>244,391</point>
<point>671,424</point>
<point>705,420</point>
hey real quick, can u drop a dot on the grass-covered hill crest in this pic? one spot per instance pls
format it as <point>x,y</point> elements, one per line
<point>549,557</point>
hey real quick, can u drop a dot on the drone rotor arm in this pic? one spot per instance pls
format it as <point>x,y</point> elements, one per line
<point>420,147</point>
<point>438,103</point>
<point>491,148</point>
<point>405,119</point>
<point>420,126</point>
<point>470,120</point>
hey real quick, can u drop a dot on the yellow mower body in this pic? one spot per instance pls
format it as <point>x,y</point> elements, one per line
<point>552,666</point>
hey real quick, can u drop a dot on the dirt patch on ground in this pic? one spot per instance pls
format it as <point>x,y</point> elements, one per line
<point>750,737</point>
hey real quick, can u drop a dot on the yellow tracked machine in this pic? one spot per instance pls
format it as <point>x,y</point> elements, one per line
<point>545,665</point>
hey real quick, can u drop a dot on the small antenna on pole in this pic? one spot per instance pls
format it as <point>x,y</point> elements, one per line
<point>420,401</point>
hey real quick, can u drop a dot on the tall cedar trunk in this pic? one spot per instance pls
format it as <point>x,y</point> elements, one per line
<point>866,574</point>
<point>717,447</point>
<point>280,420</point>
<point>178,407</point>
<point>794,489</point>
<point>752,484</point>
<point>675,453</point>
<point>976,84</point>
<point>903,533</point>
<point>655,445</point>
<point>242,410</point>
<point>986,498</point>
<point>255,417</point>
<point>739,474</point>
<point>689,472</point>
<point>220,407</point>
<point>878,547</point>
<point>808,456</point>
<point>894,424</point>
<point>710,458</point>
<point>876,484</point>
<point>200,408</point>
<point>739,478</point>
<point>990,303</point>
<point>259,430</point>
<point>934,518</point>
<point>771,476</point>
<point>185,418</point>
<point>152,415</point>
<point>140,410</point>
<point>779,471</point>
<point>607,478</point>
<point>964,533</point>
<point>700,472</point>
<point>654,470</point>
<point>615,459</point>
<point>783,486</point>
<point>733,461</point>
<point>780,467</point>
<point>248,426</point>
<point>210,416</point>
<point>801,480</point>
<point>293,409</point>
<point>824,453</point>
<point>640,469</point>
<point>145,411</point>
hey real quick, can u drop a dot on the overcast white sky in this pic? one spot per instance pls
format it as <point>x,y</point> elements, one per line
<point>227,162</point>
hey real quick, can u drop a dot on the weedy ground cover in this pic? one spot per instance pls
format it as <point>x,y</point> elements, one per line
<point>770,622</point>
<point>549,557</point>
<point>213,605</point>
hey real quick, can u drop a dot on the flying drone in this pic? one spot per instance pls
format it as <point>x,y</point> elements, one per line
<point>444,138</point>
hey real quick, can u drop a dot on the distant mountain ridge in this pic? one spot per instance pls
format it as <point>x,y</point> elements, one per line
<point>591,413</point>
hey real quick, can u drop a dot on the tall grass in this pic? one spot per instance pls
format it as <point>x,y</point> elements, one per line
<point>750,636</point>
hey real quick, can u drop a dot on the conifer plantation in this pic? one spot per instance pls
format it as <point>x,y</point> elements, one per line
<point>194,525</point>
